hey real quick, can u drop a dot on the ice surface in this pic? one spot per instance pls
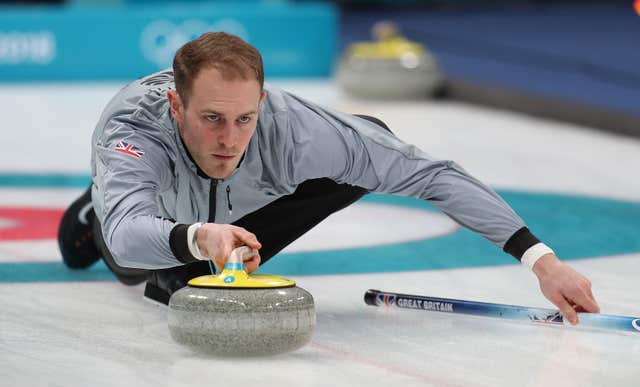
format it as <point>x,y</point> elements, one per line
<point>103,333</point>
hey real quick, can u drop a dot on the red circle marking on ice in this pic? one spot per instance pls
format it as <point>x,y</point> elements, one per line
<point>29,223</point>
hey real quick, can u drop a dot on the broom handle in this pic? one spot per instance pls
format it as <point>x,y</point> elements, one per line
<point>510,312</point>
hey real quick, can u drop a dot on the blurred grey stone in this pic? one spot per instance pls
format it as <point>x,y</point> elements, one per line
<point>242,322</point>
<point>409,77</point>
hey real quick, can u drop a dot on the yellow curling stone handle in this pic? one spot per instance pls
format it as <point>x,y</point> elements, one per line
<point>234,275</point>
<point>389,44</point>
<point>393,48</point>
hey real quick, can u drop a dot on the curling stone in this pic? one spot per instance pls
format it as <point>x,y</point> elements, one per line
<point>237,314</point>
<point>392,67</point>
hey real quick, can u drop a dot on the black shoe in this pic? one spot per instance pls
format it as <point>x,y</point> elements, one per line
<point>75,234</point>
<point>161,284</point>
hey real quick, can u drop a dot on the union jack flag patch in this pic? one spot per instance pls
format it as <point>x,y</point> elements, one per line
<point>385,299</point>
<point>129,149</point>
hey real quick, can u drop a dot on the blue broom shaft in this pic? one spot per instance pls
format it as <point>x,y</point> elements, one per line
<point>510,312</point>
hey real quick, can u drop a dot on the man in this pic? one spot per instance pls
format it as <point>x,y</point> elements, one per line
<point>190,163</point>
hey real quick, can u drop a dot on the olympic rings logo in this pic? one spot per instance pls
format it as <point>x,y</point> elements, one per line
<point>17,47</point>
<point>160,39</point>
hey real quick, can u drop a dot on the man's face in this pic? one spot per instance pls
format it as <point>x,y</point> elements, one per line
<point>218,121</point>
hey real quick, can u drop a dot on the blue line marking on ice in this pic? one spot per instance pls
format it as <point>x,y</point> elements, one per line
<point>44,180</point>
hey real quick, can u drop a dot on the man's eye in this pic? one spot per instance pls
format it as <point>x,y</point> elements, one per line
<point>213,118</point>
<point>244,119</point>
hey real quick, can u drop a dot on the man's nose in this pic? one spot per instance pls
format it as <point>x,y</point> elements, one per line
<point>226,136</point>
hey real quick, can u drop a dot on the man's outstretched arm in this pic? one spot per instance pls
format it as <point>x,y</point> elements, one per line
<point>358,153</point>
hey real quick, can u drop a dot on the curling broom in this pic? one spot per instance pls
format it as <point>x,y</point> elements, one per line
<point>510,312</point>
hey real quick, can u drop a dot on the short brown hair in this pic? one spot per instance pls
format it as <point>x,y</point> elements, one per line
<point>227,53</point>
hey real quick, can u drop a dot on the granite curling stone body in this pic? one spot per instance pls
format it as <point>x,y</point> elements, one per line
<point>236,314</point>
<point>390,68</point>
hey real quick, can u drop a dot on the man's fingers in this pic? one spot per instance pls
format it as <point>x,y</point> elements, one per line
<point>252,257</point>
<point>247,238</point>
<point>579,309</point>
<point>585,301</point>
<point>591,297</point>
<point>252,264</point>
<point>566,288</point>
<point>218,266</point>
<point>222,255</point>
<point>590,305</point>
<point>566,309</point>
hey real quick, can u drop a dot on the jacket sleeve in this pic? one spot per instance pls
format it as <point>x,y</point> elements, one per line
<point>125,190</point>
<point>352,150</point>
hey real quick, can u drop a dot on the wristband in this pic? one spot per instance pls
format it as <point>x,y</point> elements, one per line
<point>535,252</point>
<point>193,243</point>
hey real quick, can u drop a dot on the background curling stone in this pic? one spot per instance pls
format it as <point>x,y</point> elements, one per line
<point>236,314</point>
<point>389,68</point>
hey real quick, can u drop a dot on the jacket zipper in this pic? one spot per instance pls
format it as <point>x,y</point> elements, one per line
<point>229,206</point>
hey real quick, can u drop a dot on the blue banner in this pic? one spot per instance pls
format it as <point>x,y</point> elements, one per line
<point>79,43</point>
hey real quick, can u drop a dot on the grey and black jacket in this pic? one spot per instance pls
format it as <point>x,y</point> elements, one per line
<point>146,188</point>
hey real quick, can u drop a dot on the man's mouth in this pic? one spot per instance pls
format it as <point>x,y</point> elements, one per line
<point>223,157</point>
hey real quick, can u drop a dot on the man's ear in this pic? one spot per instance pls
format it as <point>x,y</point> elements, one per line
<point>175,104</point>
<point>262,96</point>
